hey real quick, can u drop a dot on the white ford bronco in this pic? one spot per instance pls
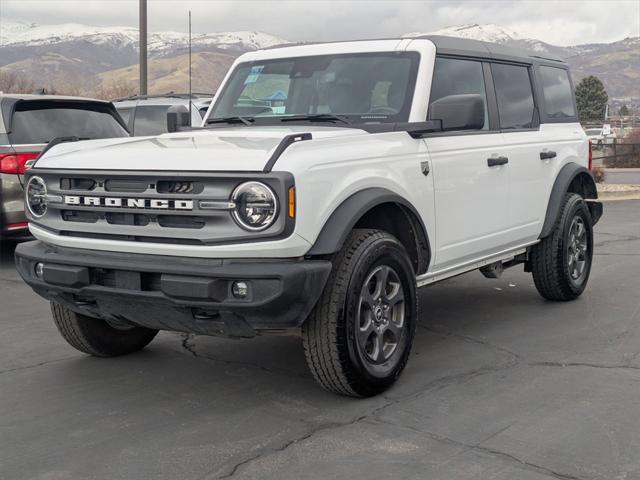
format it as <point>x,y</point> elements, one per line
<point>326,184</point>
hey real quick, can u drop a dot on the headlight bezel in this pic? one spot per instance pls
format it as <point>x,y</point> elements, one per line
<point>237,216</point>
<point>28,196</point>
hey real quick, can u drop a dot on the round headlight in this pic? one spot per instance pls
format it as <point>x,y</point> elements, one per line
<point>36,193</point>
<point>256,206</point>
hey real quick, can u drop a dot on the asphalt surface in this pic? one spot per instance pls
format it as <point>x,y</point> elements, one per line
<point>501,385</point>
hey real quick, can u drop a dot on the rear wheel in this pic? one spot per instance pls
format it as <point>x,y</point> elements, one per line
<point>97,337</point>
<point>561,262</point>
<point>358,338</point>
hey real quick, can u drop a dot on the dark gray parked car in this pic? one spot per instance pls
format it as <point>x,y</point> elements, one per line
<point>27,124</point>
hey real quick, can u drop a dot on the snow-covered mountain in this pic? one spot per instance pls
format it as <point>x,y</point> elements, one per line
<point>19,34</point>
<point>497,34</point>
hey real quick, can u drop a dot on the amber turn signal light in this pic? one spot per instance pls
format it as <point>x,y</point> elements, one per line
<point>292,202</point>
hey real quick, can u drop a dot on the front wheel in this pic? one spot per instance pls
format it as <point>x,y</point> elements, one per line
<point>561,262</point>
<point>358,338</point>
<point>97,337</point>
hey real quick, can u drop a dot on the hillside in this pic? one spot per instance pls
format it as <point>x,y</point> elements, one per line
<point>172,73</point>
<point>79,57</point>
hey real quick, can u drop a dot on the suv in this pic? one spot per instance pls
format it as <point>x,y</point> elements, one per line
<point>150,114</point>
<point>390,165</point>
<point>599,138</point>
<point>27,124</point>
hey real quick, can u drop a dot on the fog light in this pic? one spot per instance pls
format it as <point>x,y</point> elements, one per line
<point>240,289</point>
<point>39,269</point>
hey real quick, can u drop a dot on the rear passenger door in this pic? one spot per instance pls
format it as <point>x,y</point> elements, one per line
<point>471,197</point>
<point>534,150</point>
<point>520,127</point>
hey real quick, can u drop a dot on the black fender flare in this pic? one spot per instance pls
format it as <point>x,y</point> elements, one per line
<point>567,175</point>
<point>346,215</point>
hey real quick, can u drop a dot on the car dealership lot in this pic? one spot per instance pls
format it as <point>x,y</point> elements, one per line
<point>502,385</point>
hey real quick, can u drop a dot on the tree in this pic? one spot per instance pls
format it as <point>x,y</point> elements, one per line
<point>624,111</point>
<point>591,98</point>
<point>114,89</point>
<point>11,82</point>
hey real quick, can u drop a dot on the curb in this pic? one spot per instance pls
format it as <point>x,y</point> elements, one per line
<point>612,192</point>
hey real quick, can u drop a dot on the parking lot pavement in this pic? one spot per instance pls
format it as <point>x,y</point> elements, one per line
<point>501,385</point>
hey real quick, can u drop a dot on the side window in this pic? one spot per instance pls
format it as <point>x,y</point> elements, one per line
<point>514,95</point>
<point>556,89</point>
<point>458,77</point>
<point>150,120</point>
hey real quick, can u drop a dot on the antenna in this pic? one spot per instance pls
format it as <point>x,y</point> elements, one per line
<point>190,99</point>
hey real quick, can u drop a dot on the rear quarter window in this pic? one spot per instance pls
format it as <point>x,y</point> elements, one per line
<point>41,122</point>
<point>556,90</point>
<point>514,94</point>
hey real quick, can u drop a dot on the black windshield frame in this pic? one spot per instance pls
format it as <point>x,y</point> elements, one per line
<point>354,119</point>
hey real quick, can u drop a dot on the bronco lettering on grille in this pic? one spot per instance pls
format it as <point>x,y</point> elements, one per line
<point>144,203</point>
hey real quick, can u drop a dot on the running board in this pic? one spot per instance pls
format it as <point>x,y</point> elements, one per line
<point>504,256</point>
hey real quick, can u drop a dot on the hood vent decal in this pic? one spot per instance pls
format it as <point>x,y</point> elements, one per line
<point>282,146</point>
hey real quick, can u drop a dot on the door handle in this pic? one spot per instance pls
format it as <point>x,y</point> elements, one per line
<point>495,161</point>
<point>547,154</point>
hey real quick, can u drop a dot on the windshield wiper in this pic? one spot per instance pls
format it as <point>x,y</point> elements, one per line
<point>318,117</point>
<point>236,119</point>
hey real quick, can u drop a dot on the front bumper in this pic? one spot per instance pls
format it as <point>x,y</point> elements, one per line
<point>192,295</point>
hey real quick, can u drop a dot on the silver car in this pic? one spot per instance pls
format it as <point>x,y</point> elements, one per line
<point>27,124</point>
<point>151,114</point>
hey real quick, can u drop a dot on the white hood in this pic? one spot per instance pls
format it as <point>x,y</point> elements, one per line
<point>219,149</point>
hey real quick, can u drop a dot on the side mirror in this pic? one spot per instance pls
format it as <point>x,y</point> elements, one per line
<point>459,112</point>
<point>178,118</point>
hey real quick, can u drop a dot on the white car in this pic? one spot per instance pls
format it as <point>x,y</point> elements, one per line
<point>599,138</point>
<point>327,183</point>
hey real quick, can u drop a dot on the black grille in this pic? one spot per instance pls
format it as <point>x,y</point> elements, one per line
<point>174,186</point>
<point>80,184</point>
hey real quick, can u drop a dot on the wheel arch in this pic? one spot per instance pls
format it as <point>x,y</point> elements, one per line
<point>382,209</point>
<point>572,178</point>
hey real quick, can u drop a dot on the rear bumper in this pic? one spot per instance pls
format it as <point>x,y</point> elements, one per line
<point>190,295</point>
<point>13,222</point>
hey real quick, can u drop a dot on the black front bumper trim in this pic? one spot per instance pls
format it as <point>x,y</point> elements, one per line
<point>192,295</point>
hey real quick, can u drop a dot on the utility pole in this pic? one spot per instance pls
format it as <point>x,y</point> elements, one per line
<point>190,99</point>
<point>143,47</point>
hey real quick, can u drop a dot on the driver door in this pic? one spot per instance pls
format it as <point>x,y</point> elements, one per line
<point>471,185</point>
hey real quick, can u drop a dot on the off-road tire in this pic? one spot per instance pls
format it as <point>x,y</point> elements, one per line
<point>96,337</point>
<point>549,258</point>
<point>329,334</point>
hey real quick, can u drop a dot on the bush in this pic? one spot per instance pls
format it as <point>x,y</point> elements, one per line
<point>599,174</point>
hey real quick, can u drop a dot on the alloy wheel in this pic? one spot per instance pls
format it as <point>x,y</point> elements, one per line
<point>380,317</point>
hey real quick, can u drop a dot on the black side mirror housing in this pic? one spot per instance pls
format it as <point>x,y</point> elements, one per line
<point>459,112</point>
<point>178,118</point>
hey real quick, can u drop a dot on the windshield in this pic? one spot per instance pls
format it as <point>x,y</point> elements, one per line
<point>597,131</point>
<point>371,87</point>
